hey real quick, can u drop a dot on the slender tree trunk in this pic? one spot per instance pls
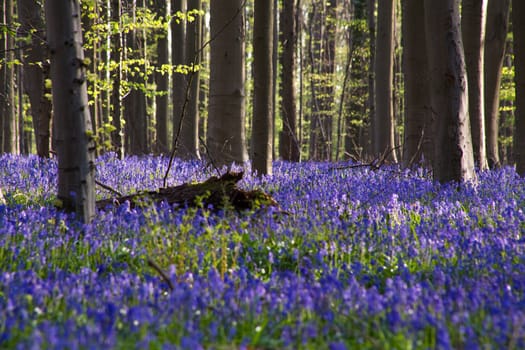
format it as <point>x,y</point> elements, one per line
<point>300,113</point>
<point>371,74</point>
<point>314,48</point>
<point>383,137</point>
<point>35,71</point>
<point>473,23</point>
<point>8,110</point>
<point>357,104</point>
<point>226,110</point>
<point>322,65</point>
<point>189,143</point>
<point>72,124</point>
<point>203,83</point>
<point>116,77</point>
<point>262,135</point>
<point>178,47</point>
<point>518,27</point>
<point>135,101</point>
<point>275,65</point>
<point>418,117</point>
<point>453,158</point>
<point>328,70</point>
<point>161,79</point>
<point>289,140</point>
<point>495,40</point>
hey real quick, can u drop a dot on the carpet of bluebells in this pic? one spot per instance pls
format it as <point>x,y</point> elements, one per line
<point>353,259</point>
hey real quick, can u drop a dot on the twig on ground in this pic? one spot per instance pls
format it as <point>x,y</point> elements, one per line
<point>156,267</point>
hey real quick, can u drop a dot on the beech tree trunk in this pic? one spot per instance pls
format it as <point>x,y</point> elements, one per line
<point>495,40</point>
<point>453,158</point>
<point>322,65</point>
<point>226,110</point>
<point>262,130</point>
<point>189,143</point>
<point>72,123</point>
<point>371,9</point>
<point>418,117</point>
<point>518,26</point>
<point>116,77</point>
<point>288,37</point>
<point>7,71</point>
<point>135,100</point>
<point>36,70</point>
<point>161,80</point>
<point>178,47</point>
<point>473,23</point>
<point>383,137</point>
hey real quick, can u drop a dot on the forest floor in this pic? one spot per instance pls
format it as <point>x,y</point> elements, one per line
<point>353,258</point>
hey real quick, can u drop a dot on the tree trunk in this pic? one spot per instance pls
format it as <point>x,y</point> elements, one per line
<point>189,143</point>
<point>72,122</point>
<point>178,47</point>
<point>371,74</point>
<point>289,141</point>
<point>135,101</point>
<point>418,117</point>
<point>161,79</point>
<point>328,71</point>
<point>36,70</point>
<point>215,193</point>
<point>322,67</point>
<point>383,137</point>
<point>357,104</point>
<point>8,111</point>
<point>226,110</point>
<point>116,77</point>
<point>453,158</point>
<point>495,40</point>
<point>518,27</point>
<point>314,48</point>
<point>473,23</point>
<point>262,135</point>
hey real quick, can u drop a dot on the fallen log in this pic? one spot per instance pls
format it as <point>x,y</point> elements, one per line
<point>215,193</point>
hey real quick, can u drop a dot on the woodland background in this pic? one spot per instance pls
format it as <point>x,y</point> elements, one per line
<point>348,79</point>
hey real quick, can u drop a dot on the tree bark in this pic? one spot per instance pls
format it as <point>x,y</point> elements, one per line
<point>453,158</point>
<point>371,9</point>
<point>495,41</point>
<point>226,110</point>
<point>262,130</point>
<point>473,24</point>
<point>383,137</point>
<point>35,71</point>
<point>418,117</point>
<point>288,37</point>
<point>161,79</point>
<point>178,57</point>
<point>357,64</point>
<point>7,110</point>
<point>189,143</point>
<point>518,27</point>
<point>116,75</point>
<point>135,101</point>
<point>72,123</point>
<point>215,193</point>
<point>322,66</point>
